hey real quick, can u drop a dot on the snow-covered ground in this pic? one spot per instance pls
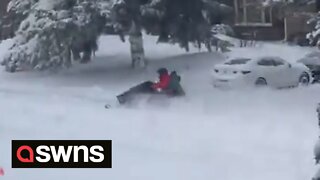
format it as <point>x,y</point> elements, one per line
<point>211,134</point>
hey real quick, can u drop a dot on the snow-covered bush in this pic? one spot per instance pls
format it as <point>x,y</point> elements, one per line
<point>222,29</point>
<point>54,32</point>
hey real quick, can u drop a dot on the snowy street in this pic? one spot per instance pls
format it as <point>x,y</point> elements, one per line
<point>211,134</point>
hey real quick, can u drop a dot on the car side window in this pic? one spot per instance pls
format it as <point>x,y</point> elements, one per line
<point>266,62</point>
<point>278,62</point>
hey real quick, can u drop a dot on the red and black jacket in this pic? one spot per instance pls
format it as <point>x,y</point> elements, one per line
<point>163,82</point>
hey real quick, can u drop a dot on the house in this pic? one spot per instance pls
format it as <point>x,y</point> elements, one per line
<point>274,21</point>
<point>6,29</point>
<point>296,18</point>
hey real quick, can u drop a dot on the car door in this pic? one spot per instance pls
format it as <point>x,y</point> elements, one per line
<point>266,70</point>
<point>284,73</point>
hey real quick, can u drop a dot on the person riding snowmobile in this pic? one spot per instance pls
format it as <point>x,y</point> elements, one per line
<point>164,80</point>
<point>168,84</point>
<point>174,87</point>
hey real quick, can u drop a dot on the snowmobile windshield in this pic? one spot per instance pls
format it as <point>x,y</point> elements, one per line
<point>237,61</point>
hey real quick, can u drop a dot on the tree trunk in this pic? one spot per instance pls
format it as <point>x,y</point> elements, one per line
<point>137,50</point>
<point>208,45</point>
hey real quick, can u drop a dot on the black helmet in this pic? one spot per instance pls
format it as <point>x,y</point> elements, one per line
<point>162,71</point>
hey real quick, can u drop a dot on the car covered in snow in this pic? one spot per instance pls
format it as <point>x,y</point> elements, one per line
<point>258,72</point>
<point>312,61</point>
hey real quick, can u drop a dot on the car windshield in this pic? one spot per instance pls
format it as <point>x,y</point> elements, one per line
<point>237,61</point>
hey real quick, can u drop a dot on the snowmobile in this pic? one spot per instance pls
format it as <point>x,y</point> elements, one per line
<point>146,91</point>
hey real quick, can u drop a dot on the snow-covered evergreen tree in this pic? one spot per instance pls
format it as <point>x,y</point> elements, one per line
<point>90,18</point>
<point>189,21</point>
<point>21,6</point>
<point>314,36</point>
<point>18,10</point>
<point>127,16</point>
<point>53,31</point>
<point>175,21</point>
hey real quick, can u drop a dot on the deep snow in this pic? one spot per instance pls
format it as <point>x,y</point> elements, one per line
<point>211,134</point>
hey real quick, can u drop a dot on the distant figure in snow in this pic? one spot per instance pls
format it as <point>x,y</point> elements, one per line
<point>168,84</point>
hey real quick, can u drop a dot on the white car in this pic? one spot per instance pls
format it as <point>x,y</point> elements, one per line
<point>264,71</point>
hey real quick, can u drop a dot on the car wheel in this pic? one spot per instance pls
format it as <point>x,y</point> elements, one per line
<point>261,82</point>
<point>304,79</point>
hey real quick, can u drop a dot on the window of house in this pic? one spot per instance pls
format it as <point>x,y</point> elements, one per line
<point>252,13</point>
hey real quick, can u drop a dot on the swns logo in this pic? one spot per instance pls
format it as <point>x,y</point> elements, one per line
<point>61,154</point>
